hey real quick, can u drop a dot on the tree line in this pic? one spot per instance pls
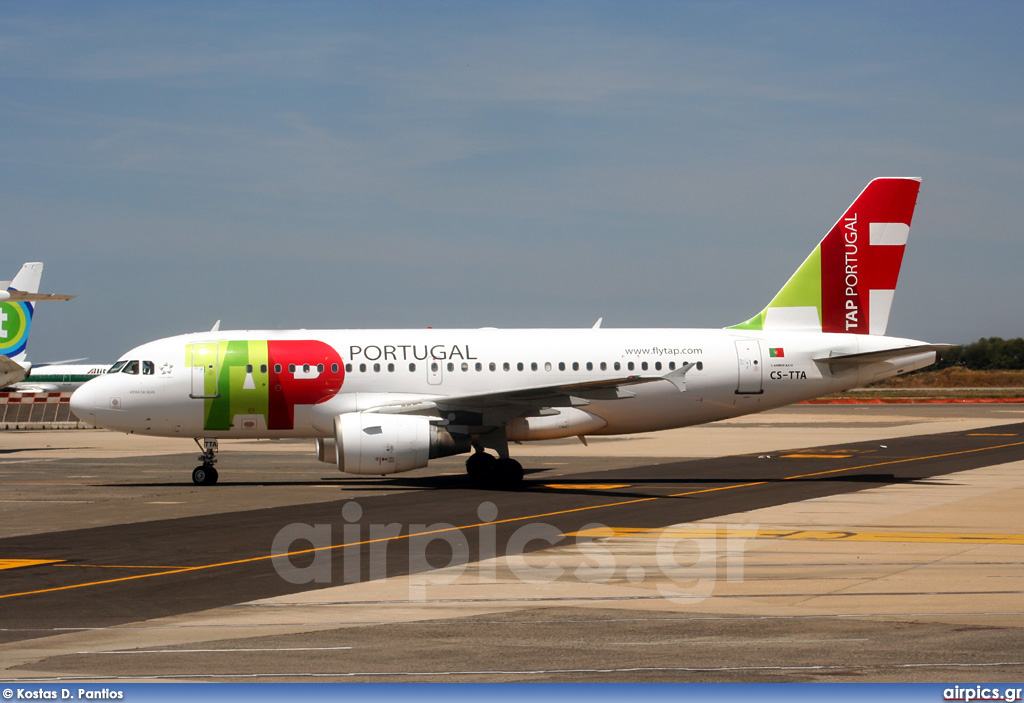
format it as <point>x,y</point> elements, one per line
<point>987,354</point>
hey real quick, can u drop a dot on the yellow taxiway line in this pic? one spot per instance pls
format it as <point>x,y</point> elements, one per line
<point>524,518</point>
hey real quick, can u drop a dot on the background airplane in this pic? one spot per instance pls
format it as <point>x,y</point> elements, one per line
<point>57,377</point>
<point>16,310</point>
<point>385,401</point>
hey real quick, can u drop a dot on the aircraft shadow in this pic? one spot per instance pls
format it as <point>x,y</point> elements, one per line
<point>562,485</point>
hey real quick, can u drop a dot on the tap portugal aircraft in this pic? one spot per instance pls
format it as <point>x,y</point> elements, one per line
<point>385,401</point>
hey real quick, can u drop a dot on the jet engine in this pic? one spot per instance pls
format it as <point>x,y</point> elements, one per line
<point>378,443</point>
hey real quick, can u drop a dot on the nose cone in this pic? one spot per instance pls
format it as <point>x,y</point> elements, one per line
<point>83,402</point>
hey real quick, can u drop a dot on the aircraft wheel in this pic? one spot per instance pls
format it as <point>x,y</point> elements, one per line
<point>508,474</point>
<point>480,466</point>
<point>204,476</point>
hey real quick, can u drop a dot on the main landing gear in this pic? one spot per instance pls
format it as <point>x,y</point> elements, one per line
<point>205,474</point>
<point>489,471</point>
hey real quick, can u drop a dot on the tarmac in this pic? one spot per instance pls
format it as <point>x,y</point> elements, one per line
<point>812,543</point>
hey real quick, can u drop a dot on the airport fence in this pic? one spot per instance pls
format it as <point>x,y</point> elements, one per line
<point>38,411</point>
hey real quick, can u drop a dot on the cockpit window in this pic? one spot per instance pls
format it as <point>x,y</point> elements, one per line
<point>148,369</point>
<point>131,367</point>
<point>117,367</point>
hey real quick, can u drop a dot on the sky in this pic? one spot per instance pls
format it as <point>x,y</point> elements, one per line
<point>472,164</point>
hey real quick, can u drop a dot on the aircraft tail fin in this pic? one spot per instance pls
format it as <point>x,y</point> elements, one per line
<point>16,317</point>
<point>848,282</point>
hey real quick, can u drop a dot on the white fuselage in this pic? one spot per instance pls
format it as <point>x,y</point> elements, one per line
<point>172,393</point>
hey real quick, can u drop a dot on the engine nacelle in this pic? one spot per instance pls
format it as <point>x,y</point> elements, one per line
<point>378,443</point>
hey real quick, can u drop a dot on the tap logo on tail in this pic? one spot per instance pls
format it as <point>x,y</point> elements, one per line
<point>848,282</point>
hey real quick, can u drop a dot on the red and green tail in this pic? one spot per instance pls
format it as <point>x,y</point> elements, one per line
<point>848,282</point>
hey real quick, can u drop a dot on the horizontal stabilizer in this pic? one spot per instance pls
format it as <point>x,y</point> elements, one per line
<point>20,296</point>
<point>859,359</point>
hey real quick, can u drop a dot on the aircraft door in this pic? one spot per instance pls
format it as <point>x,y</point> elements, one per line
<point>204,364</point>
<point>435,372</point>
<point>748,355</point>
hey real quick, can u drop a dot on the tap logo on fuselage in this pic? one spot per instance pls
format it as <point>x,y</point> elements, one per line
<point>247,384</point>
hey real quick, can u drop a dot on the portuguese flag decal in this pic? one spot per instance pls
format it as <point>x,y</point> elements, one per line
<point>776,352</point>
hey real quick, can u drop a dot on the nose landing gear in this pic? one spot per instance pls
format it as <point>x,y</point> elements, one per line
<point>205,474</point>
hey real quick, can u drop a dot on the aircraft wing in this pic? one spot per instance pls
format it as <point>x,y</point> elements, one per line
<point>11,371</point>
<point>524,401</point>
<point>62,362</point>
<point>859,359</point>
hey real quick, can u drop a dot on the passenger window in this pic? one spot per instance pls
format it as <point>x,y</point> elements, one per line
<point>348,368</point>
<point>533,366</point>
<point>506,366</point>
<point>148,369</point>
<point>643,365</point>
<point>131,367</point>
<point>700,365</point>
<point>617,366</point>
<point>412,367</point>
<point>465,366</point>
<point>493,367</point>
<point>305,368</point>
<point>391,367</point>
<point>590,366</point>
<point>433,366</point>
<point>547,365</point>
<point>604,366</point>
<point>291,368</point>
<point>630,366</point>
<point>248,368</point>
<point>319,368</point>
<point>479,366</point>
<point>376,368</point>
<point>671,366</point>
<point>117,367</point>
<point>657,366</point>
<point>519,366</point>
<point>561,366</point>
<point>334,368</point>
<point>277,368</point>
<point>362,368</point>
<point>451,366</point>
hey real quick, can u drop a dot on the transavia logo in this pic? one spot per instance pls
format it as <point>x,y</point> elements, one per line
<point>14,321</point>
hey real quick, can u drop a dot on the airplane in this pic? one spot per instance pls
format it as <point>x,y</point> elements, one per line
<point>379,402</point>
<point>16,310</point>
<point>57,377</point>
